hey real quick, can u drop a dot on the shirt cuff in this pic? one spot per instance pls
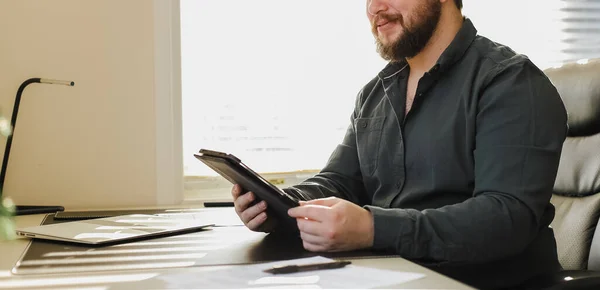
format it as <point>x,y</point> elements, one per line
<point>389,227</point>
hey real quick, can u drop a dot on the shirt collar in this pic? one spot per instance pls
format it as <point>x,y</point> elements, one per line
<point>457,48</point>
<point>451,54</point>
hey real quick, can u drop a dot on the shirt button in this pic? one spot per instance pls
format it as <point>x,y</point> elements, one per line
<point>364,125</point>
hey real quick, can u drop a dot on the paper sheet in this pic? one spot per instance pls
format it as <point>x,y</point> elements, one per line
<point>221,217</point>
<point>253,277</point>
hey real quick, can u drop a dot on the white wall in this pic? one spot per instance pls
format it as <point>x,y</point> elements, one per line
<point>112,140</point>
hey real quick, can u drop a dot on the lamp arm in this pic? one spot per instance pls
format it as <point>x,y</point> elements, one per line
<point>13,121</point>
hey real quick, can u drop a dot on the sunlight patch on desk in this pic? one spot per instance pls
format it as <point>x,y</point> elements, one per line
<point>308,286</point>
<point>170,243</point>
<point>150,221</point>
<point>78,280</point>
<point>86,288</point>
<point>103,236</point>
<point>230,219</point>
<point>295,280</point>
<point>112,259</point>
<point>204,235</point>
<point>121,267</point>
<point>94,252</point>
<point>4,274</point>
<point>168,227</point>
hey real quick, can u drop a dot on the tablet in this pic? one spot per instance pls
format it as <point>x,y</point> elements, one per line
<point>112,230</point>
<point>231,168</point>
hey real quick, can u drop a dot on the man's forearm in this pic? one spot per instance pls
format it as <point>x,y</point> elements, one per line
<point>481,229</point>
<point>341,177</point>
<point>327,184</point>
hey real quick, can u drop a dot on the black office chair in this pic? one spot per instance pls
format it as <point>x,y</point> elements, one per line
<point>577,188</point>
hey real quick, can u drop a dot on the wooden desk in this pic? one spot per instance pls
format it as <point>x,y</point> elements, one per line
<point>11,251</point>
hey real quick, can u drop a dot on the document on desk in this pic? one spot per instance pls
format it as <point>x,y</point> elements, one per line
<point>254,277</point>
<point>220,217</point>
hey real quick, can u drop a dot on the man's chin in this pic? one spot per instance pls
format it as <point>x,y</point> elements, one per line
<point>386,42</point>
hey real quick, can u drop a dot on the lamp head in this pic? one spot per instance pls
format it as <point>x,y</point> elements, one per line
<point>57,82</point>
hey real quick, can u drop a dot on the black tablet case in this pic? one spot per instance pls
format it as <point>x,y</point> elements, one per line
<point>232,169</point>
<point>249,247</point>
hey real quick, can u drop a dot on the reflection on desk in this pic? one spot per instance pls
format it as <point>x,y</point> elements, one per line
<point>248,249</point>
<point>210,247</point>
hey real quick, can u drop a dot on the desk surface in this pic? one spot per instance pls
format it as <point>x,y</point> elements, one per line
<point>11,251</point>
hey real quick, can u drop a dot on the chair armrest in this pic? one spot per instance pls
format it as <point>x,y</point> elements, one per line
<point>594,258</point>
<point>565,280</point>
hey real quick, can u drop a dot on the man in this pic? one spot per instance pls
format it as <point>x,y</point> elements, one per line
<point>450,157</point>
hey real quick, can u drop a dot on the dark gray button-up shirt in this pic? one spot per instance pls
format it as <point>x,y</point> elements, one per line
<point>466,177</point>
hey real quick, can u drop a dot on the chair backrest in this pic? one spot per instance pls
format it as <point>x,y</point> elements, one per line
<point>577,184</point>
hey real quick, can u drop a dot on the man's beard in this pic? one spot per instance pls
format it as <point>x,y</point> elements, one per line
<point>414,37</point>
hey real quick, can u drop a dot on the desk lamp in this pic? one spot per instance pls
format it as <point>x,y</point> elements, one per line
<point>27,209</point>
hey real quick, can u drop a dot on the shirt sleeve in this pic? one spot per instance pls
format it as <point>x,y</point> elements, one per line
<point>520,128</point>
<point>341,177</point>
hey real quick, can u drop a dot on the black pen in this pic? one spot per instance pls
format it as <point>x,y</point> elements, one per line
<point>307,267</point>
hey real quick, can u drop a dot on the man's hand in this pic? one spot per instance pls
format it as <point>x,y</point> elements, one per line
<point>254,216</point>
<point>333,224</point>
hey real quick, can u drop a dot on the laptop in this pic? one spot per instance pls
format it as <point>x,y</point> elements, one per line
<point>112,230</point>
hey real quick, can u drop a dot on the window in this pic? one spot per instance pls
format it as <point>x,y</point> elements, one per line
<point>274,82</point>
<point>581,35</point>
<point>561,31</point>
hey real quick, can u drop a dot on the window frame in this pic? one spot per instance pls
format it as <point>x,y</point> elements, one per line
<point>217,189</point>
<point>167,103</point>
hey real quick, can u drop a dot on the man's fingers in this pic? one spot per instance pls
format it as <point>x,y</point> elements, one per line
<point>257,221</point>
<point>328,201</point>
<point>313,247</point>
<point>312,239</point>
<point>253,211</point>
<point>236,191</point>
<point>243,202</point>
<point>312,227</point>
<point>313,212</point>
